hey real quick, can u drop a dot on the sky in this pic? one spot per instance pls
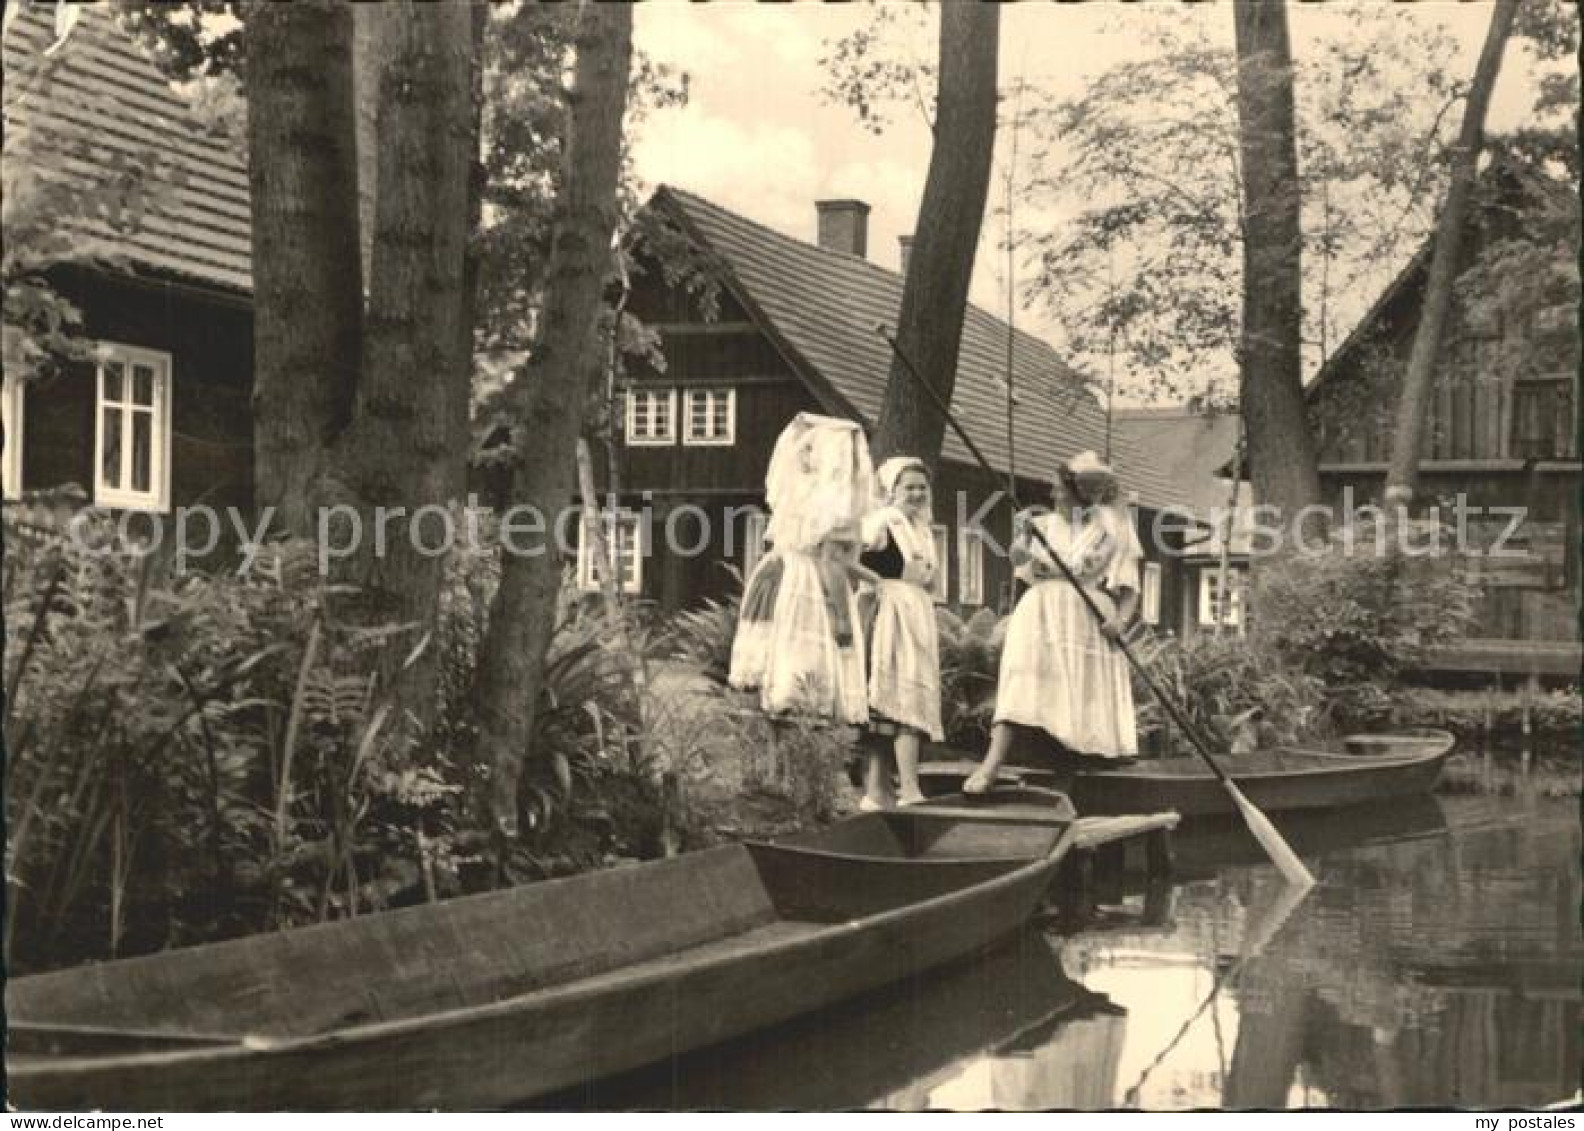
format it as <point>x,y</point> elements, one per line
<point>758,137</point>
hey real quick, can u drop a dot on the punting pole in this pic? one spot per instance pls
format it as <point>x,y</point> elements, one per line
<point>1279,851</point>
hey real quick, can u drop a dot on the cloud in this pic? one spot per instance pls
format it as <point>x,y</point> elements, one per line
<point>727,162</point>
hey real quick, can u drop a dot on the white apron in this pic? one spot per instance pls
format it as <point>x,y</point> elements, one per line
<point>1058,671</point>
<point>904,657</point>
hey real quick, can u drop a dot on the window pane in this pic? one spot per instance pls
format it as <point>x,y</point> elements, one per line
<point>110,458</point>
<point>111,378</point>
<point>142,385</point>
<point>142,449</point>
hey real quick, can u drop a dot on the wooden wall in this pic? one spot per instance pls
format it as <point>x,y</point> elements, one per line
<point>660,481</point>
<point>210,340</point>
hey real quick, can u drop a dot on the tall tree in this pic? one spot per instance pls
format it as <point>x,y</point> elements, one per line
<point>307,286</point>
<point>1402,473</point>
<point>946,237</point>
<point>1270,359</point>
<point>407,444</point>
<point>547,398</point>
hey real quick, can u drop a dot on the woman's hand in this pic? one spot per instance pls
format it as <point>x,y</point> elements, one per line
<point>1114,627</point>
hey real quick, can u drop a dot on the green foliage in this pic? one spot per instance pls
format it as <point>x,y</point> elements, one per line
<point>199,756</point>
<point>65,202</point>
<point>1142,165</point>
<point>1357,620</point>
<point>970,658</point>
<point>1495,719</point>
<point>1236,694</point>
<point>702,636</point>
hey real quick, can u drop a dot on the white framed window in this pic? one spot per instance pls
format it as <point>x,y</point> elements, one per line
<point>941,590</point>
<point>1210,598</point>
<point>622,540</point>
<point>709,417</point>
<point>970,566</point>
<point>651,416</point>
<point>753,546</point>
<point>11,420</point>
<point>1149,599</point>
<point>132,429</point>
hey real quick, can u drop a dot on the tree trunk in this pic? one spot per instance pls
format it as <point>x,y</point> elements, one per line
<point>1280,448</point>
<point>307,289</point>
<point>1402,475</point>
<point>935,296</point>
<point>407,448</point>
<point>548,399</point>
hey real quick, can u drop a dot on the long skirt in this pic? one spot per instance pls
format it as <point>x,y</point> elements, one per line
<point>799,642</point>
<point>1059,673</point>
<point>904,659</point>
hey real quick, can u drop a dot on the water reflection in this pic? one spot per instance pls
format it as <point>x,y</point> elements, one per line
<point>889,1047</point>
<point>1436,963</point>
<point>1431,970</point>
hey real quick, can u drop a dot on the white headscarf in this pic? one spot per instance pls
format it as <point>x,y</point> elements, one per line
<point>820,479</point>
<point>891,471</point>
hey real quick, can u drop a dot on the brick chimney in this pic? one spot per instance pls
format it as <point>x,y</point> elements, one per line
<point>844,226</point>
<point>905,245</point>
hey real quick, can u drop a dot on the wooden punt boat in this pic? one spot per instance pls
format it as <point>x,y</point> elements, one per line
<point>1377,767</point>
<point>1276,781</point>
<point>492,999</point>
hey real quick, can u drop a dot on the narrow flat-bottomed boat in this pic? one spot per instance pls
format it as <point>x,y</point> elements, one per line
<point>1285,779</point>
<point>490,1000</point>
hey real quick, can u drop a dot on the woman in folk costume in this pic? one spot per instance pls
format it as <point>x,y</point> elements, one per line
<point>1060,670</point>
<point>904,644</point>
<point>799,642</point>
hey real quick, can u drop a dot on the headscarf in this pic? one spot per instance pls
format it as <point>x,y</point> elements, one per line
<point>820,478</point>
<point>1095,480</point>
<point>891,472</point>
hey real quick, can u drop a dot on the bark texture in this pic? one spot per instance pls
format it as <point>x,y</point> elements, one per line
<point>1402,475</point>
<point>548,400</point>
<point>307,287</point>
<point>1280,447</point>
<point>935,295</point>
<point>406,451</point>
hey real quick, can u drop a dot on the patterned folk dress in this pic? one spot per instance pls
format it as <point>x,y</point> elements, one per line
<point>799,642</point>
<point>1058,671</point>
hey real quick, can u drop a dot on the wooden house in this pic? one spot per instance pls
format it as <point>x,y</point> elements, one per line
<point>1195,450</point>
<point>795,330</point>
<point>1502,437</point>
<point>160,414</point>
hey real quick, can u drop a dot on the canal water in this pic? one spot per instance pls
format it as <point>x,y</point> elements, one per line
<point>1436,963</point>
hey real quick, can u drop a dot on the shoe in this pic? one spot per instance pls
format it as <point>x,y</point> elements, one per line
<point>911,799</point>
<point>867,804</point>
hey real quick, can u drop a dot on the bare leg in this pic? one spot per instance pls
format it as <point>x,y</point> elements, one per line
<point>907,760</point>
<point>1000,745</point>
<point>877,780</point>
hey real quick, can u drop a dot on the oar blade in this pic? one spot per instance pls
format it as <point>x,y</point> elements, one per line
<point>1279,851</point>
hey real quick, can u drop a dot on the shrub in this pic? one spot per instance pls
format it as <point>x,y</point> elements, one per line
<point>1235,694</point>
<point>1356,620</point>
<point>200,756</point>
<point>970,659</point>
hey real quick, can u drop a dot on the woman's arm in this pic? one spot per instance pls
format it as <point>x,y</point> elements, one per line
<point>860,572</point>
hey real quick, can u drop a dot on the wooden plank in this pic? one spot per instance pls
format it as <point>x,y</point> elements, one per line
<point>1462,421</point>
<point>1442,421</point>
<point>1091,832</point>
<point>1507,657</point>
